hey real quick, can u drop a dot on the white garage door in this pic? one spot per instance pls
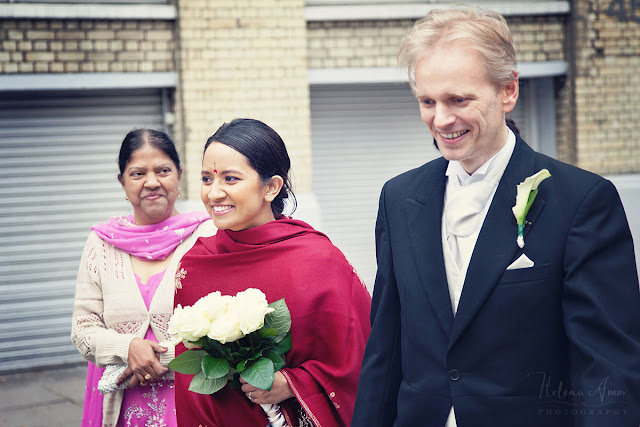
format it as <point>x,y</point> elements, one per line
<point>58,168</point>
<point>363,135</point>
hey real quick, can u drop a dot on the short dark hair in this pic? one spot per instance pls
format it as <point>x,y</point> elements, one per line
<point>265,151</point>
<point>138,138</point>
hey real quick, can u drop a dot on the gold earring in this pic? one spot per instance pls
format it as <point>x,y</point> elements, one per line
<point>179,191</point>
<point>126,198</point>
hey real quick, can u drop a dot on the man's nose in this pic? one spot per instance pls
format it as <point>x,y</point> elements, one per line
<point>443,117</point>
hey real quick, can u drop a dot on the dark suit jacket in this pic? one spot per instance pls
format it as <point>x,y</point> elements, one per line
<point>557,344</point>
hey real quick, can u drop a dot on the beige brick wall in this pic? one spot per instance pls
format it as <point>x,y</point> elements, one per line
<point>340,44</point>
<point>607,89</point>
<point>538,38</point>
<point>244,59</point>
<point>337,44</point>
<point>86,46</point>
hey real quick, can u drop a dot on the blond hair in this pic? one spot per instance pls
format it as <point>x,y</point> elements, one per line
<point>487,31</point>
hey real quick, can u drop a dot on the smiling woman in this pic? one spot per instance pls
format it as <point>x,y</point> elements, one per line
<point>245,181</point>
<point>245,173</point>
<point>233,192</point>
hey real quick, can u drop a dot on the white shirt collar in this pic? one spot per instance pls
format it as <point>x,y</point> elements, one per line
<point>455,168</point>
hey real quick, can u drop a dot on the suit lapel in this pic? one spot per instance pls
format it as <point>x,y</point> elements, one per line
<point>424,214</point>
<point>496,246</point>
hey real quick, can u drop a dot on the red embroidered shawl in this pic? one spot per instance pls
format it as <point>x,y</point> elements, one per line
<point>329,308</point>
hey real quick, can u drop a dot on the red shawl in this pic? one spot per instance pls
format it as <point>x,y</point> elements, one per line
<point>329,308</point>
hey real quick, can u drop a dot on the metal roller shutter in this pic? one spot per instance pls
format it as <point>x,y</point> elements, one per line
<point>363,135</point>
<point>58,154</point>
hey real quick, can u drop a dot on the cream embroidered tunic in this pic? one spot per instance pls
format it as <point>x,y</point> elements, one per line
<point>109,311</point>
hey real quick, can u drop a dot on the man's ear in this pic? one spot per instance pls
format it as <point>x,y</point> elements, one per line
<point>510,93</point>
<point>273,188</point>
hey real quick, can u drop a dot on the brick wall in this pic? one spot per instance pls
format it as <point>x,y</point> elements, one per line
<point>538,38</point>
<point>338,44</point>
<point>244,59</point>
<point>335,44</point>
<point>85,46</point>
<point>607,86</point>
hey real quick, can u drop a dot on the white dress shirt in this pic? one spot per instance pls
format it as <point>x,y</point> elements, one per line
<point>466,203</point>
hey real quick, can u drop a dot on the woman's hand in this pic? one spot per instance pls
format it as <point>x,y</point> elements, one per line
<point>126,374</point>
<point>144,363</point>
<point>279,391</point>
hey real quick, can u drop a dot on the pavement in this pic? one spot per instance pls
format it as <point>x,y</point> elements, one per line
<point>46,398</point>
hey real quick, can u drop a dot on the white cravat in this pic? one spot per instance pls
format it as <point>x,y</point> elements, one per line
<point>462,213</point>
<point>467,201</point>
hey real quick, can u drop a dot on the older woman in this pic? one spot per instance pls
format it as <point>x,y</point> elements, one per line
<point>245,181</point>
<point>125,286</point>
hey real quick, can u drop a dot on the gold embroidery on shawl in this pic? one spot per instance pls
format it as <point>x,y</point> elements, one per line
<point>331,396</point>
<point>303,419</point>
<point>304,405</point>
<point>181,273</point>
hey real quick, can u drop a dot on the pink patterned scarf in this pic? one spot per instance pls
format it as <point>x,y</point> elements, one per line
<point>149,242</point>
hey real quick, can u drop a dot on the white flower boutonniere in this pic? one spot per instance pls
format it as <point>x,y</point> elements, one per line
<point>527,192</point>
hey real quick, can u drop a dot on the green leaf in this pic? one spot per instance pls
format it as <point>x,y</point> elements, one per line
<point>259,373</point>
<point>215,367</point>
<point>215,349</point>
<point>279,319</point>
<point>283,346</point>
<point>201,342</point>
<point>237,356</point>
<point>532,198</point>
<point>202,385</point>
<point>254,340</point>
<point>241,365</point>
<point>244,352</point>
<point>189,362</point>
<point>278,362</point>
<point>235,383</point>
<point>267,332</point>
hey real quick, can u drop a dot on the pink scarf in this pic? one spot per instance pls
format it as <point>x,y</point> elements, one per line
<point>149,242</point>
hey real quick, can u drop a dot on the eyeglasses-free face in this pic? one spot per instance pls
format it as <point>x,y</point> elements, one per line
<point>151,182</point>
<point>232,191</point>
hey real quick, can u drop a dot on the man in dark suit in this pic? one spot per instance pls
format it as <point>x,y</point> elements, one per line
<point>472,326</point>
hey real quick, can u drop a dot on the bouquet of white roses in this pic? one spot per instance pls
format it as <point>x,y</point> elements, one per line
<point>231,337</point>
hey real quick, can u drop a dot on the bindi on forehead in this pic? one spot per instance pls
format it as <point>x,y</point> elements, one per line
<point>215,169</point>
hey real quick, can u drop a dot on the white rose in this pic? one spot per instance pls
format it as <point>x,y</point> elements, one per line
<point>174,324</point>
<point>225,328</point>
<point>213,305</point>
<point>188,324</point>
<point>251,306</point>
